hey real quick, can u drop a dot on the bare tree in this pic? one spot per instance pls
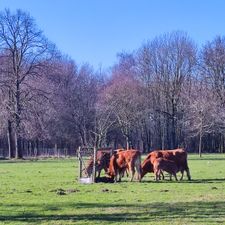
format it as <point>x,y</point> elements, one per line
<point>26,50</point>
<point>124,96</point>
<point>200,113</point>
<point>213,66</point>
<point>104,120</point>
<point>163,65</point>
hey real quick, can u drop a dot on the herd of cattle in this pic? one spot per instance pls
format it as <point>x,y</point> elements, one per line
<point>123,162</point>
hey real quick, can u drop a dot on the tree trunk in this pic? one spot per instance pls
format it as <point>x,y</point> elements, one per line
<point>127,142</point>
<point>37,147</point>
<point>10,141</point>
<point>56,150</point>
<point>221,143</point>
<point>200,145</point>
<point>16,145</point>
<point>173,133</point>
<point>19,153</point>
<point>30,148</point>
<point>163,128</point>
<point>200,138</point>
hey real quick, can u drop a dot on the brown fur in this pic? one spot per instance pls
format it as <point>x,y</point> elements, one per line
<point>102,162</point>
<point>161,164</point>
<point>121,160</point>
<point>179,156</point>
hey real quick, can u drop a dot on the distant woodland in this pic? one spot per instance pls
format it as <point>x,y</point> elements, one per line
<point>166,94</point>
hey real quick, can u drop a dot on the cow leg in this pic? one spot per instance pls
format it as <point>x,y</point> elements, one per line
<point>157,175</point>
<point>99,173</point>
<point>132,174</point>
<point>131,167</point>
<point>127,172</point>
<point>116,175</point>
<point>182,174</point>
<point>138,169</point>
<point>188,174</point>
<point>161,173</point>
<point>121,174</point>
<point>175,175</point>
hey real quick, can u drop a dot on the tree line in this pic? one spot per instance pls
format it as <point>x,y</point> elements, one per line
<point>168,93</point>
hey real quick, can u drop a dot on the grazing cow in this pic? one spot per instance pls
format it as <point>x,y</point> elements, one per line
<point>102,162</point>
<point>161,164</point>
<point>121,160</point>
<point>125,170</point>
<point>179,156</point>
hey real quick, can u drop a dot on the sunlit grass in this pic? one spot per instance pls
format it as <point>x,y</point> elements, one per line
<point>46,192</point>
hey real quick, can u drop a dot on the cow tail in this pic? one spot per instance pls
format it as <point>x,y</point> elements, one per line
<point>138,166</point>
<point>187,168</point>
<point>188,173</point>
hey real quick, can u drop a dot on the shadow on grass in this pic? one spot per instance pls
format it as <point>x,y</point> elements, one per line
<point>197,212</point>
<point>203,181</point>
<point>193,181</point>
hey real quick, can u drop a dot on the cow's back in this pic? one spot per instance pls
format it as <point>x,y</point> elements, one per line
<point>131,154</point>
<point>179,156</point>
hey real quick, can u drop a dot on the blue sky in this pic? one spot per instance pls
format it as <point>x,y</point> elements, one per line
<point>94,31</point>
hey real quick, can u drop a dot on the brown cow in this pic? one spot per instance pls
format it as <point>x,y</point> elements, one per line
<point>121,160</point>
<point>102,162</point>
<point>125,170</point>
<point>161,164</point>
<point>179,156</point>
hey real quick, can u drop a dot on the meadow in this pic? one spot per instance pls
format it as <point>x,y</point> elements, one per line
<point>47,192</point>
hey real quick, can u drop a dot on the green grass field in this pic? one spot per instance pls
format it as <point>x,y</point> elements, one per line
<point>46,192</point>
